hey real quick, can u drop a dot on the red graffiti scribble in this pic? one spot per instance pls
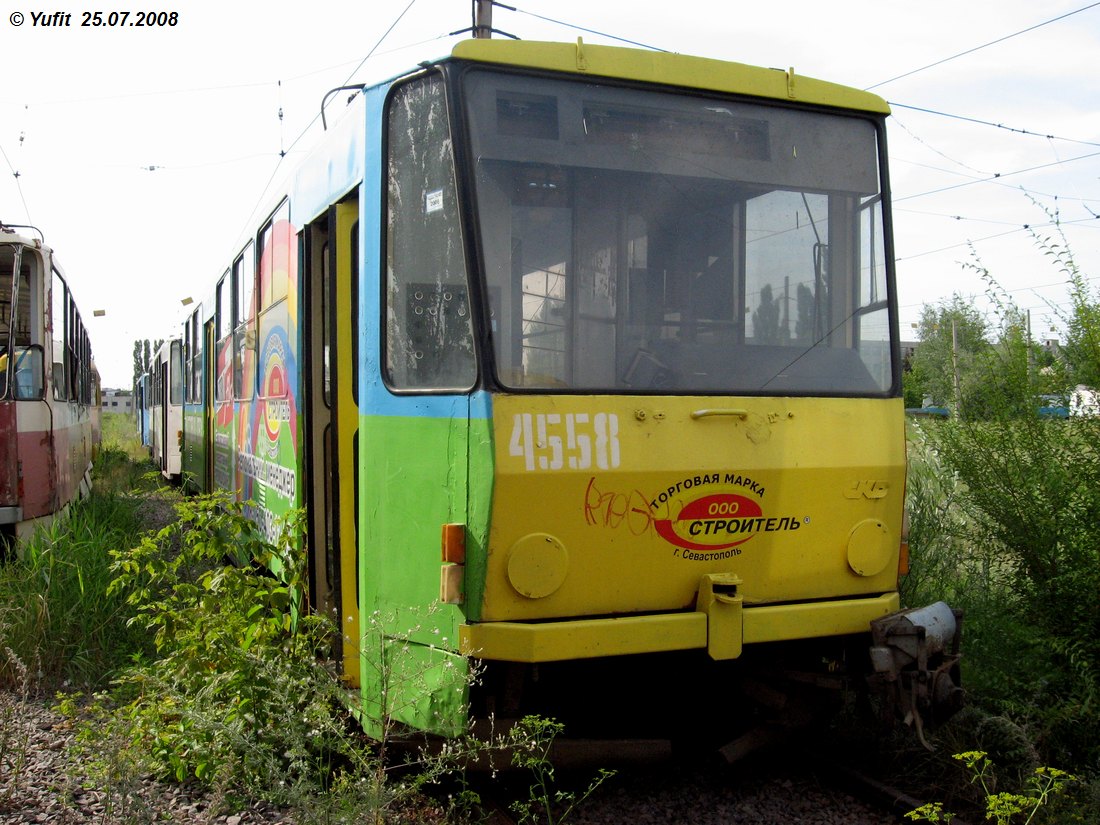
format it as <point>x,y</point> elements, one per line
<point>613,509</point>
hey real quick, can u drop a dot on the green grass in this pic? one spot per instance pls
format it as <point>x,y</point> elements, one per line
<point>57,624</point>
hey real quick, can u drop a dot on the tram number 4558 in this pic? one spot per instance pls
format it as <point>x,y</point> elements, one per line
<point>554,441</point>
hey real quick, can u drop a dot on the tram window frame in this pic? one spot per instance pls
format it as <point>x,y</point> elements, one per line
<point>59,301</point>
<point>77,354</point>
<point>274,281</point>
<point>86,366</point>
<point>244,323</point>
<point>194,365</point>
<point>677,323</point>
<point>222,325</point>
<point>326,330</point>
<point>33,389</point>
<point>414,285</point>
<point>70,350</point>
<point>22,325</point>
<point>276,258</point>
<point>7,286</point>
<point>187,357</point>
<point>353,296</point>
<point>175,372</point>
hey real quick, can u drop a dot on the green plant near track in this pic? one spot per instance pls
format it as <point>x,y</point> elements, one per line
<point>240,693</point>
<point>1002,807</point>
<point>236,685</point>
<point>530,742</point>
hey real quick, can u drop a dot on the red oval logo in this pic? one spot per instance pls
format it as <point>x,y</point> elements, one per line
<point>715,522</point>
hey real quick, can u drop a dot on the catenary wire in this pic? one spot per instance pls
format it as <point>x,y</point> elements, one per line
<point>589,31</point>
<point>979,121</point>
<point>18,184</point>
<point>317,116</point>
<point>983,46</point>
<point>997,176</point>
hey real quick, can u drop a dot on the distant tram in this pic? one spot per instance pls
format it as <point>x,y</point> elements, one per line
<point>584,363</point>
<point>165,414</point>
<point>143,402</point>
<point>49,388</point>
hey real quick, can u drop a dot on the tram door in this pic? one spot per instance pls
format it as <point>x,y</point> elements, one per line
<point>331,300</point>
<point>164,390</point>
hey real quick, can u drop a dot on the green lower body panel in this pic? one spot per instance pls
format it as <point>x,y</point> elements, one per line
<point>420,686</point>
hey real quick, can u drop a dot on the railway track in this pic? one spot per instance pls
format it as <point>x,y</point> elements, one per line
<point>777,788</point>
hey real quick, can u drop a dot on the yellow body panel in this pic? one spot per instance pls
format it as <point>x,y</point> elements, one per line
<point>669,69</point>
<point>347,214</point>
<point>618,505</point>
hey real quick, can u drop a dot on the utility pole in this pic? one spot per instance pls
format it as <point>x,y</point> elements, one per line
<point>483,19</point>
<point>955,369</point>
<point>1030,353</point>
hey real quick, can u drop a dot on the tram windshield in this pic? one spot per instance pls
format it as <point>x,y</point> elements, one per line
<point>644,241</point>
<point>20,353</point>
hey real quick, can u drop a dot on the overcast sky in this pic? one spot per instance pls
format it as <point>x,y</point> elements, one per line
<point>142,153</point>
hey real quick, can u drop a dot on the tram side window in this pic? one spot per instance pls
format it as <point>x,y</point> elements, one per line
<point>79,356</point>
<point>175,368</point>
<point>244,324</point>
<point>187,359</point>
<point>874,314</point>
<point>20,344</point>
<point>7,275</point>
<point>223,359</point>
<point>22,336</point>
<point>59,301</point>
<point>74,354</point>
<point>429,336</point>
<point>277,264</point>
<point>193,365</point>
<point>7,286</point>
<point>86,369</point>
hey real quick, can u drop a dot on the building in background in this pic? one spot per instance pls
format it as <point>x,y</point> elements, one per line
<point>118,401</point>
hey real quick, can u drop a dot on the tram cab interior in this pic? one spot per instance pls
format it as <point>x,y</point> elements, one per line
<point>645,242</point>
<point>21,352</point>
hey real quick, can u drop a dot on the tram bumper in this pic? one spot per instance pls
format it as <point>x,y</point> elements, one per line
<point>720,624</point>
<point>915,657</point>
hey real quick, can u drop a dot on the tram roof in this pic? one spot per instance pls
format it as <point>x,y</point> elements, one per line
<point>669,69</point>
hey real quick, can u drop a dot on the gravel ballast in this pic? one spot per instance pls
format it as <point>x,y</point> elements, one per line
<point>41,781</point>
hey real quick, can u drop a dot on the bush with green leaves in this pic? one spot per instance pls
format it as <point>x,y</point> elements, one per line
<point>236,685</point>
<point>1006,525</point>
<point>1032,573</point>
<point>1002,807</point>
<point>240,692</point>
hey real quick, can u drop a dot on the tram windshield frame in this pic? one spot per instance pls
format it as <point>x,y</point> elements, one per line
<point>642,240</point>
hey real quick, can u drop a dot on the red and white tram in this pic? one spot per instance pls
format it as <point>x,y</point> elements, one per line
<point>48,387</point>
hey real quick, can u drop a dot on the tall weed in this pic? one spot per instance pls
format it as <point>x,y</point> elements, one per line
<point>1014,503</point>
<point>56,616</point>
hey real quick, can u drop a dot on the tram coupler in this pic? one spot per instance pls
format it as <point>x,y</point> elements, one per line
<point>915,656</point>
<point>719,600</point>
